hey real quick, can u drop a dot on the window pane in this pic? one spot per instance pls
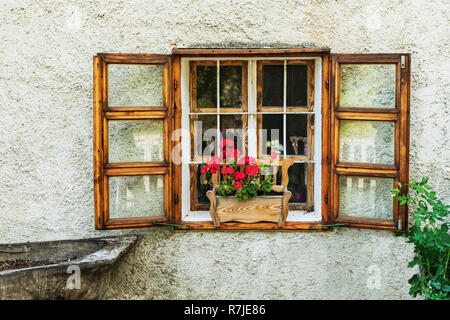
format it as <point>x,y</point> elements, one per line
<point>366,197</point>
<point>366,141</point>
<point>298,174</point>
<point>297,85</point>
<point>202,187</point>
<point>206,132</point>
<point>297,134</point>
<point>135,140</point>
<point>136,196</point>
<point>206,86</point>
<point>272,134</point>
<point>272,85</point>
<point>231,128</point>
<point>135,85</point>
<point>230,86</point>
<point>367,86</point>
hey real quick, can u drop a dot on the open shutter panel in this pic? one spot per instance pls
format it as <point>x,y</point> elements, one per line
<point>369,139</point>
<point>132,122</point>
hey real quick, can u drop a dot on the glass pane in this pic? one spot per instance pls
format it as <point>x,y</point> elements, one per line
<point>272,85</point>
<point>297,85</point>
<point>206,132</point>
<point>135,85</point>
<point>365,197</point>
<point>367,86</point>
<point>202,187</point>
<point>231,128</point>
<point>272,134</point>
<point>298,178</point>
<point>230,86</point>
<point>297,134</point>
<point>136,196</point>
<point>135,140</point>
<point>366,141</point>
<point>206,86</point>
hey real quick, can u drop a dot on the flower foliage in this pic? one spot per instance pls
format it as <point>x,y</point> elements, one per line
<point>241,176</point>
<point>431,239</point>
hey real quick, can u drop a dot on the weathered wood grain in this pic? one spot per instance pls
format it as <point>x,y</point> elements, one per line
<point>257,209</point>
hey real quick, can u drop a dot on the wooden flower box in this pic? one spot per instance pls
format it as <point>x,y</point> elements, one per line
<point>264,208</point>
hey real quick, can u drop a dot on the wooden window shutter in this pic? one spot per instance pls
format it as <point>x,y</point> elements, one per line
<point>132,123</point>
<point>369,139</point>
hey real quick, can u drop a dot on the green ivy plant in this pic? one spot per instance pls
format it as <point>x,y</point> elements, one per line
<point>430,236</point>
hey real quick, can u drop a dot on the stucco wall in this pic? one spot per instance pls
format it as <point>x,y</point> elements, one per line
<point>46,137</point>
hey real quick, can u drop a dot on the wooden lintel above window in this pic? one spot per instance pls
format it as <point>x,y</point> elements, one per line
<point>204,52</point>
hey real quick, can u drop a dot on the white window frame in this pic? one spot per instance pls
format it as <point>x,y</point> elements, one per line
<point>294,215</point>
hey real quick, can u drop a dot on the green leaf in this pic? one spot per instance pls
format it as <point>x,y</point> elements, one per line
<point>412,263</point>
<point>436,285</point>
<point>414,279</point>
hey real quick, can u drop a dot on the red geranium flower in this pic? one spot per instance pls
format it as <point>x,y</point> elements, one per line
<point>227,170</point>
<point>238,175</point>
<point>252,170</point>
<point>237,185</point>
<point>214,169</point>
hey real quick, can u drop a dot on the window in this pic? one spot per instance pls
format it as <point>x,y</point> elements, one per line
<point>217,107</point>
<point>285,103</point>
<point>370,135</point>
<point>343,119</point>
<point>132,119</point>
<point>284,112</point>
<point>265,105</point>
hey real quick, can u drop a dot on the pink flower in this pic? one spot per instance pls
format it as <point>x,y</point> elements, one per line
<point>230,153</point>
<point>213,160</point>
<point>233,153</point>
<point>226,143</point>
<point>273,155</point>
<point>247,160</point>
<point>204,170</point>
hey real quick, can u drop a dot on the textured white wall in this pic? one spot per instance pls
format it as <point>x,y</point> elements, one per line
<point>46,137</point>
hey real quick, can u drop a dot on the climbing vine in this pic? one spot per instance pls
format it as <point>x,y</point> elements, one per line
<point>430,236</point>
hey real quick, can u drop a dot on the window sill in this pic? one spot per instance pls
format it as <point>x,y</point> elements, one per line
<point>262,226</point>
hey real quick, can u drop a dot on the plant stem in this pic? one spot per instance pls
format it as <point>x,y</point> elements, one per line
<point>446,264</point>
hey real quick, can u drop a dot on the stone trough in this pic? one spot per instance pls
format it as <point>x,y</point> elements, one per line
<point>67,269</point>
